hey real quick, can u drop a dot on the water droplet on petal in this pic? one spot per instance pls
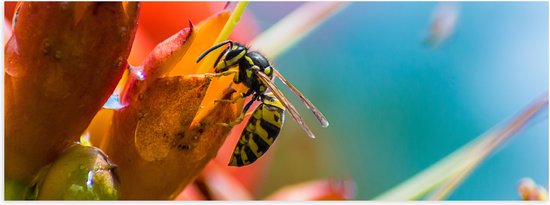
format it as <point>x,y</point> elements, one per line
<point>118,62</point>
<point>46,46</point>
<point>90,180</point>
<point>122,31</point>
<point>13,61</point>
<point>137,71</point>
<point>57,55</point>
<point>85,139</point>
<point>114,102</point>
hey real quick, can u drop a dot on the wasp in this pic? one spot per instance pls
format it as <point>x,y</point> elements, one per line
<point>264,125</point>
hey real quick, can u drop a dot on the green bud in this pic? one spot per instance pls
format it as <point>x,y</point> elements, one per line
<point>80,173</point>
<point>14,189</point>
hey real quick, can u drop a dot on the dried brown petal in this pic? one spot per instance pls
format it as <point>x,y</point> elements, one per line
<point>62,63</point>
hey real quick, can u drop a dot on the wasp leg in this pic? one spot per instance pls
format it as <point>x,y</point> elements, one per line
<point>243,115</point>
<point>220,74</point>
<point>233,100</point>
<point>240,96</point>
<point>236,121</point>
<point>214,75</point>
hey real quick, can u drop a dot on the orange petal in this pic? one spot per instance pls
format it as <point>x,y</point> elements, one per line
<point>191,192</point>
<point>316,190</point>
<point>220,185</point>
<point>58,76</point>
<point>154,133</point>
<point>166,54</point>
<point>138,164</point>
<point>9,9</point>
<point>7,31</point>
<point>141,47</point>
<point>152,142</point>
<point>80,9</point>
<point>162,19</point>
<point>159,61</point>
<point>100,125</point>
<point>207,32</point>
<point>159,20</point>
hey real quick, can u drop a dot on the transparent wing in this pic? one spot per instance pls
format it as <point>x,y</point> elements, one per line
<point>322,119</point>
<point>293,112</point>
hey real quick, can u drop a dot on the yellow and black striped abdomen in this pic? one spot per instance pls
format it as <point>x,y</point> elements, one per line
<point>260,132</point>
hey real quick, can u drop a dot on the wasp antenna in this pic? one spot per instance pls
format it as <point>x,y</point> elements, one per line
<point>214,48</point>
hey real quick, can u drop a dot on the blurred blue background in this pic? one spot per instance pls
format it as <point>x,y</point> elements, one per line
<point>397,106</point>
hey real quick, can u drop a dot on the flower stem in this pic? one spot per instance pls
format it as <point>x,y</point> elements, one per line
<point>295,26</point>
<point>448,173</point>
<point>224,34</point>
<point>483,150</point>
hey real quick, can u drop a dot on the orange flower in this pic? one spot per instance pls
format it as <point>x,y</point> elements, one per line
<point>157,141</point>
<point>167,132</point>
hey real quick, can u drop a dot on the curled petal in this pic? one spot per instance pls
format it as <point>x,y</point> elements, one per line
<point>207,31</point>
<point>166,54</point>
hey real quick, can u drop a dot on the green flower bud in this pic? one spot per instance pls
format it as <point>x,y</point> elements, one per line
<point>80,173</point>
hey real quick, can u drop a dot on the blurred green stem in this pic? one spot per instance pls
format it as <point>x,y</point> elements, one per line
<point>295,26</point>
<point>226,31</point>
<point>445,176</point>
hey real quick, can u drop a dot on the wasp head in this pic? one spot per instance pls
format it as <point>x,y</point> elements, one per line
<point>231,56</point>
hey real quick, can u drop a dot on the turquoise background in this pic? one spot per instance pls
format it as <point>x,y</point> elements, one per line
<point>397,106</point>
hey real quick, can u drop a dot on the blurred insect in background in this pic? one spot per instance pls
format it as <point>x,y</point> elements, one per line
<point>444,21</point>
<point>256,73</point>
